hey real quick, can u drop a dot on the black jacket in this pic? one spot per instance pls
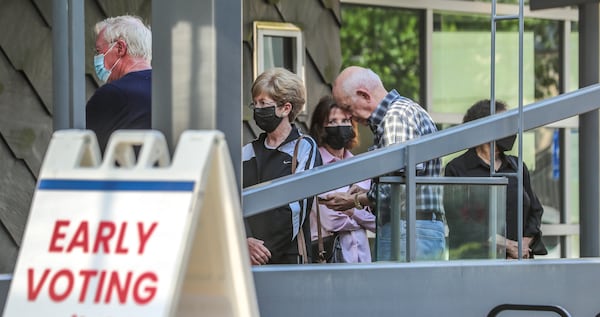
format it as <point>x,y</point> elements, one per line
<point>470,165</point>
<point>276,226</point>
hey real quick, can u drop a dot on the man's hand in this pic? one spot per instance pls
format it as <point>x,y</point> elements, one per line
<point>338,201</point>
<point>259,254</point>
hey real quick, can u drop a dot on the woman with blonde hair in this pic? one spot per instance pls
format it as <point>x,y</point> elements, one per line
<point>277,236</point>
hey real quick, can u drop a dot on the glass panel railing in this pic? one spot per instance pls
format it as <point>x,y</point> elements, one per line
<point>456,218</point>
<point>476,218</point>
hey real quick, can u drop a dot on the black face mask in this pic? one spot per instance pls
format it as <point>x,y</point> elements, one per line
<point>506,144</point>
<point>266,118</point>
<point>337,137</point>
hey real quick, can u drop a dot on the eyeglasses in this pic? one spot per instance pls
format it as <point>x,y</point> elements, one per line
<point>99,52</point>
<point>262,104</point>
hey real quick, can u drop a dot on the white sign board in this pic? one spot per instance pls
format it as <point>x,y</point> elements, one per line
<point>113,246</point>
<point>108,254</point>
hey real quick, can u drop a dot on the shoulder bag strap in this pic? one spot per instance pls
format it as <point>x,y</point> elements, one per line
<point>321,254</point>
<point>295,156</point>
<point>300,237</point>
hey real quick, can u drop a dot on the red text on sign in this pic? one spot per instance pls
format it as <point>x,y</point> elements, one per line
<point>60,285</point>
<point>107,237</point>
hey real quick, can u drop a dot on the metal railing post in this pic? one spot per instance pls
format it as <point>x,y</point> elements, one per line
<point>411,204</point>
<point>519,174</point>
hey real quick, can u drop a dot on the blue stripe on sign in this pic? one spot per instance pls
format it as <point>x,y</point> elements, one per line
<point>108,185</point>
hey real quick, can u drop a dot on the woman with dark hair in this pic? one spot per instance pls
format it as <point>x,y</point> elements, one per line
<point>462,215</point>
<point>336,134</point>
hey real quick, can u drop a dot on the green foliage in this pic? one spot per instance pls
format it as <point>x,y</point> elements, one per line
<point>469,250</point>
<point>386,41</point>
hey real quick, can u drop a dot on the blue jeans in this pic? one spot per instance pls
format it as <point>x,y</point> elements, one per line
<point>431,241</point>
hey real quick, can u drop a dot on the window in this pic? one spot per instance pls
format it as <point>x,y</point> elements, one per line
<point>278,45</point>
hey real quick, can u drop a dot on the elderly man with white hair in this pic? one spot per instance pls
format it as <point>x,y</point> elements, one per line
<point>122,61</point>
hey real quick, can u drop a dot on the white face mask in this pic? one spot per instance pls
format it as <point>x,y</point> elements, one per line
<point>101,71</point>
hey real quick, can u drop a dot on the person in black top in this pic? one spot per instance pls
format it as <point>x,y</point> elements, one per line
<point>124,52</point>
<point>467,216</point>
<point>278,96</point>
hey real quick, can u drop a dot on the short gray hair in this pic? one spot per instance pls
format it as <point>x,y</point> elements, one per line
<point>283,86</point>
<point>130,29</point>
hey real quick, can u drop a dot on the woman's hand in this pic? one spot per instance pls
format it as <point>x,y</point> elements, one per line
<point>259,254</point>
<point>349,212</point>
<point>355,189</point>
<point>512,248</point>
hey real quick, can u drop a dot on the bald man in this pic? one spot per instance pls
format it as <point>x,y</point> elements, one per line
<point>393,119</point>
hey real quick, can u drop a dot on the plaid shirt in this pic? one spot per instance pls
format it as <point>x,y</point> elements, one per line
<point>398,119</point>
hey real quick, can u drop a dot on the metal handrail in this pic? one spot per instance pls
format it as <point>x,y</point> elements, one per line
<point>447,180</point>
<point>522,307</point>
<point>274,193</point>
<point>5,280</point>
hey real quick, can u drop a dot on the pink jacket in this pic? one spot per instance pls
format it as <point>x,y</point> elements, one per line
<point>352,230</point>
